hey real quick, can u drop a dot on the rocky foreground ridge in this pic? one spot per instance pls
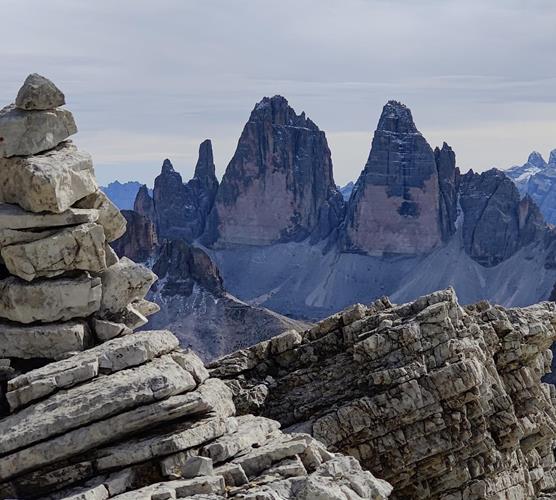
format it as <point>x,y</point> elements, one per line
<point>90,410</point>
<point>443,401</point>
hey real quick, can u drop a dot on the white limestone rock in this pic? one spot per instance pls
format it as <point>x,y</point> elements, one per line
<point>106,330</point>
<point>110,217</point>
<point>145,307</point>
<point>25,133</point>
<point>195,466</point>
<point>14,236</point>
<point>233,474</point>
<point>123,283</point>
<point>100,398</point>
<point>13,217</point>
<point>183,437</point>
<point>182,488</point>
<point>111,256</point>
<point>39,93</point>
<point>103,432</point>
<point>49,300</point>
<point>112,356</point>
<point>252,433</point>
<point>130,317</point>
<point>43,341</point>
<point>74,248</point>
<point>50,182</point>
<point>271,452</point>
<point>340,474</point>
<point>192,363</point>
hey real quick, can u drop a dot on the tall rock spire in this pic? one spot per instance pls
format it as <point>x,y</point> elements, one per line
<point>279,185</point>
<point>395,207</point>
<point>144,204</point>
<point>448,182</point>
<point>180,210</point>
<point>205,168</point>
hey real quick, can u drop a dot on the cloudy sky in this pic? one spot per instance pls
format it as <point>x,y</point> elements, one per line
<point>149,79</point>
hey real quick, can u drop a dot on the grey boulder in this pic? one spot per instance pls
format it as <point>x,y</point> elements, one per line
<point>110,217</point>
<point>53,181</point>
<point>73,248</point>
<point>39,93</point>
<point>24,133</point>
<point>50,341</point>
<point>123,283</point>
<point>49,300</point>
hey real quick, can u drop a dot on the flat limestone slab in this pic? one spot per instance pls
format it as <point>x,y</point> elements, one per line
<point>186,436</point>
<point>14,236</point>
<point>110,217</point>
<point>26,133</point>
<point>100,398</point>
<point>71,249</point>
<point>109,430</point>
<point>43,341</point>
<point>14,217</point>
<point>212,486</point>
<point>109,357</point>
<point>50,182</point>
<point>52,300</point>
<point>252,432</point>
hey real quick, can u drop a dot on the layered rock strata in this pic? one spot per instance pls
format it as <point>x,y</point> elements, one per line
<point>444,402</point>
<point>90,410</point>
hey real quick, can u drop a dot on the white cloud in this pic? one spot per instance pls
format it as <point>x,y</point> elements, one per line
<point>148,79</point>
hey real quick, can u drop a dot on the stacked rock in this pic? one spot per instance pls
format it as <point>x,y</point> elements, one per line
<point>63,284</point>
<point>91,410</point>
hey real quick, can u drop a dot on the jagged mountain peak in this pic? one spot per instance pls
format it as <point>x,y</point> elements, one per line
<point>205,163</point>
<point>552,157</point>
<point>445,148</point>
<point>205,170</point>
<point>277,111</point>
<point>396,117</point>
<point>167,167</point>
<point>536,159</point>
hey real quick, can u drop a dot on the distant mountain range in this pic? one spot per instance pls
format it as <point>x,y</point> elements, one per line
<point>537,178</point>
<point>347,190</point>
<point>123,194</point>
<point>285,237</point>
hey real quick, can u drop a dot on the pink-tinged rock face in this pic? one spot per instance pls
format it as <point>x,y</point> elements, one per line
<point>378,228</point>
<point>396,205</point>
<point>279,185</point>
<point>260,214</point>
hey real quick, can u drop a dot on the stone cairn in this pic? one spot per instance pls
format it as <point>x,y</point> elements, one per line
<point>91,410</point>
